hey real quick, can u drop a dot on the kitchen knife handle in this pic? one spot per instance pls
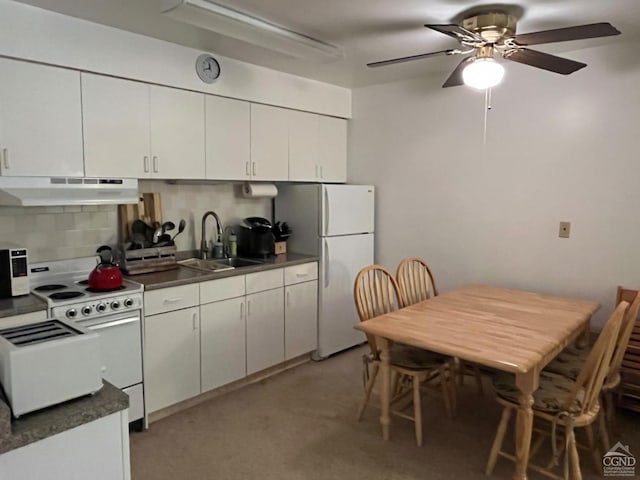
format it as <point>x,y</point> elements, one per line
<point>5,157</point>
<point>326,264</point>
<point>246,169</point>
<point>155,164</point>
<point>146,164</point>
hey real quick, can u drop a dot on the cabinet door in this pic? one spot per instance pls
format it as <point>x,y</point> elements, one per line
<point>332,149</point>
<point>116,127</point>
<point>300,319</point>
<point>40,120</point>
<point>228,139</point>
<point>177,133</point>
<point>303,147</point>
<point>265,329</point>
<point>222,342</point>
<point>269,143</point>
<point>171,358</point>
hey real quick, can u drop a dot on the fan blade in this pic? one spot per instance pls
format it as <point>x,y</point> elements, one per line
<point>412,57</point>
<point>457,32</point>
<point>545,61</point>
<point>579,32</point>
<point>455,79</point>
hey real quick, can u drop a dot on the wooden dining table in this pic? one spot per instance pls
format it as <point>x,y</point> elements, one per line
<point>510,330</point>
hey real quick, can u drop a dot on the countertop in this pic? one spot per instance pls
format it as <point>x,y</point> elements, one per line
<point>38,425</point>
<point>184,275</point>
<point>20,305</point>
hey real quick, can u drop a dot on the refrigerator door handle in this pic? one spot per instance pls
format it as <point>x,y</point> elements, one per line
<point>326,264</point>
<point>326,210</point>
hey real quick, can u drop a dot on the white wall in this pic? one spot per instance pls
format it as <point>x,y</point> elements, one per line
<point>558,148</point>
<point>35,34</point>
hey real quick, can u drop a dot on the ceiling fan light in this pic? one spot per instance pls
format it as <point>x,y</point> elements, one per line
<point>483,73</point>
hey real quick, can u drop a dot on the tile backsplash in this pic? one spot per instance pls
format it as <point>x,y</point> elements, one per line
<point>54,233</point>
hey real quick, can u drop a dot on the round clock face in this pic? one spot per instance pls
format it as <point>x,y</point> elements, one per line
<point>207,68</point>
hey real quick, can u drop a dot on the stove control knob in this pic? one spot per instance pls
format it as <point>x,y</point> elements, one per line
<point>86,310</point>
<point>115,305</point>
<point>128,302</point>
<point>71,313</point>
<point>101,307</point>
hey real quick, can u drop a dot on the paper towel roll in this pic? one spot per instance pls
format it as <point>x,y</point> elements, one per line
<point>255,190</point>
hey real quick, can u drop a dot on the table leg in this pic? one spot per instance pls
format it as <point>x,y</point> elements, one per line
<point>385,370</point>
<point>527,383</point>
<point>583,340</point>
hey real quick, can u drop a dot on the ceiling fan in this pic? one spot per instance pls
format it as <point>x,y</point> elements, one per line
<point>485,34</point>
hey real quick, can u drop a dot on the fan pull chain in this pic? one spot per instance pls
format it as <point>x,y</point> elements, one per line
<point>487,107</point>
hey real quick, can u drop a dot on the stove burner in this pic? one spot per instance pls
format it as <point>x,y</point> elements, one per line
<point>106,290</point>
<point>48,288</point>
<point>65,295</point>
<point>83,282</point>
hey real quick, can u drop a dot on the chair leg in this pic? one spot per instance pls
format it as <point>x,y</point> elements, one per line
<point>478,374</point>
<point>417,409</point>
<point>604,435</point>
<point>444,385</point>
<point>609,411</point>
<point>451,382</point>
<point>365,401</point>
<point>497,442</point>
<point>574,459</point>
<point>460,371</point>
<point>595,452</point>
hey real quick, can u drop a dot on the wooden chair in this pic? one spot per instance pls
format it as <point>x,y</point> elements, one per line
<point>417,284</point>
<point>560,401</point>
<point>376,293</point>
<point>570,361</point>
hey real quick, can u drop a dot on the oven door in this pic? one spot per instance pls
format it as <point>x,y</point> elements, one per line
<point>121,347</point>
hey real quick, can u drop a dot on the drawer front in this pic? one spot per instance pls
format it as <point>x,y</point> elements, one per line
<point>169,299</point>
<point>301,273</point>
<point>260,281</point>
<point>216,290</point>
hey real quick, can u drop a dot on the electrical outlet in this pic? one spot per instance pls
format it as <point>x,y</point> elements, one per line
<point>565,230</point>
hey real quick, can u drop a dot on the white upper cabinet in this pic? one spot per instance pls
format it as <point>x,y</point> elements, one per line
<point>40,120</point>
<point>228,138</point>
<point>177,133</point>
<point>135,130</point>
<point>269,143</point>
<point>317,148</point>
<point>332,149</point>
<point>303,146</point>
<point>115,127</point>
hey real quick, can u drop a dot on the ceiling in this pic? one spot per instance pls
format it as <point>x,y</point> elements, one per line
<point>367,30</point>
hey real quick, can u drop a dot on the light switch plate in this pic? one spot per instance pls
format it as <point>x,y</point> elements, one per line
<point>565,230</point>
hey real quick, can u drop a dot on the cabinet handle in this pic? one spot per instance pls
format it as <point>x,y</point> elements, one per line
<point>155,164</point>
<point>172,300</point>
<point>246,168</point>
<point>327,260</point>
<point>194,319</point>
<point>254,168</point>
<point>242,310</point>
<point>288,299</point>
<point>146,164</point>
<point>248,308</point>
<point>5,156</point>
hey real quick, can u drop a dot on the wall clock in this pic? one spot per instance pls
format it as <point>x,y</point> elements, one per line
<point>207,68</point>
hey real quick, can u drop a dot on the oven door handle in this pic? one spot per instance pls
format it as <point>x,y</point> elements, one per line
<point>115,323</point>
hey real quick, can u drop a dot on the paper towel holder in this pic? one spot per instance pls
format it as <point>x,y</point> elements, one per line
<point>259,190</point>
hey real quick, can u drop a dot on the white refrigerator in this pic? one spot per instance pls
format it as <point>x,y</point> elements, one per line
<point>334,222</point>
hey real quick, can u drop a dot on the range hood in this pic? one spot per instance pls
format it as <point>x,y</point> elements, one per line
<point>45,191</point>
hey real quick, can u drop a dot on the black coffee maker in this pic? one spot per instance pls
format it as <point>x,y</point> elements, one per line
<point>256,238</point>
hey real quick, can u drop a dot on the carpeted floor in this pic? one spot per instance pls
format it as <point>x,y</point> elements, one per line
<point>301,425</point>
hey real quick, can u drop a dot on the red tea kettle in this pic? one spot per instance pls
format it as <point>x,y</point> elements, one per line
<point>106,275</point>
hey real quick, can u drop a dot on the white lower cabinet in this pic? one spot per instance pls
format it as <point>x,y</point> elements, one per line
<point>300,319</point>
<point>265,329</point>
<point>222,342</point>
<point>172,357</point>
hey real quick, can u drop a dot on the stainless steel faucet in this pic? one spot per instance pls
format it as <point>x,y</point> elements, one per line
<point>204,250</point>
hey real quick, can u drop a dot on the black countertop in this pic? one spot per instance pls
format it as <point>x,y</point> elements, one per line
<point>184,275</point>
<point>38,425</point>
<point>10,307</point>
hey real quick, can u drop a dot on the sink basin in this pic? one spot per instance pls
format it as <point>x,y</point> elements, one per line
<point>218,264</point>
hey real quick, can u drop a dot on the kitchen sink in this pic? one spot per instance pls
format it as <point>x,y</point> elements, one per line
<point>218,264</point>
